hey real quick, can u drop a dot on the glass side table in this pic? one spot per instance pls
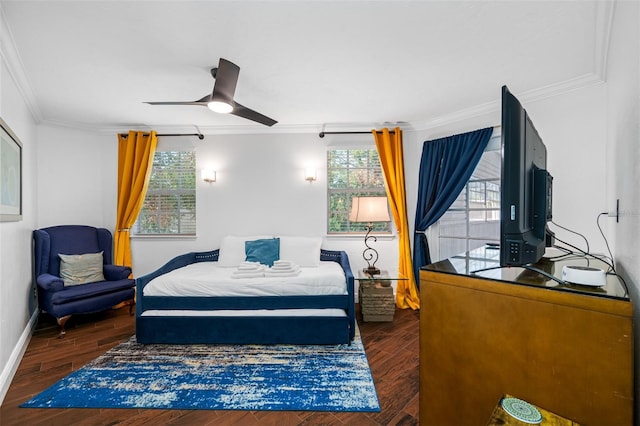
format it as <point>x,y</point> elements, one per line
<point>375,295</point>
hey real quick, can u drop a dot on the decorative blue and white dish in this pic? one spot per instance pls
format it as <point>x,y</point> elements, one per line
<point>522,410</point>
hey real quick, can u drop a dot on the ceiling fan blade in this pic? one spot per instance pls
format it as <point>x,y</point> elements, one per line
<point>244,112</point>
<point>177,103</point>
<point>205,99</point>
<point>202,102</point>
<point>226,80</point>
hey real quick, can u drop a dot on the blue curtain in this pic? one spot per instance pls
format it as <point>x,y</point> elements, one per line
<point>445,167</point>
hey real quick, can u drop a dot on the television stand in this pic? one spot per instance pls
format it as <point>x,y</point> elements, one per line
<point>528,267</point>
<point>564,347</point>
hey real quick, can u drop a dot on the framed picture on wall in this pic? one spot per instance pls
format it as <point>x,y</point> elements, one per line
<point>10,175</point>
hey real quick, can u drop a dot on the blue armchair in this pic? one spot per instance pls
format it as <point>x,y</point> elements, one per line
<point>63,297</point>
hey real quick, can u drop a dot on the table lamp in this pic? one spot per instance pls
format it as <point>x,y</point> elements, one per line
<point>369,209</point>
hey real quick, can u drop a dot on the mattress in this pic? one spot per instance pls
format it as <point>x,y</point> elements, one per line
<point>207,279</point>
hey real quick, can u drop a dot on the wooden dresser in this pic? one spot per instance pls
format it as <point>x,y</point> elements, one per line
<point>565,348</point>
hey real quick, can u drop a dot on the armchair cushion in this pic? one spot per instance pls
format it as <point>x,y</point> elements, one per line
<point>81,268</point>
<point>88,291</point>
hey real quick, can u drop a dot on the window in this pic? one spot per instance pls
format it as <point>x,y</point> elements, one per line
<point>352,173</point>
<point>170,204</point>
<point>474,218</point>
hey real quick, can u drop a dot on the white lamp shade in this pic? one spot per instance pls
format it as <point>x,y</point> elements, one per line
<point>369,209</point>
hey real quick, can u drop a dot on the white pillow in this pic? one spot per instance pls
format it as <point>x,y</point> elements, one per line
<point>303,251</point>
<point>232,252</point>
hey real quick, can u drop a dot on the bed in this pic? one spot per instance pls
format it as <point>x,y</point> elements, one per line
<point>201,297</point>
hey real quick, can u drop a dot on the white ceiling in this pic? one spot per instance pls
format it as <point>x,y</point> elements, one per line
<point>91,64</point>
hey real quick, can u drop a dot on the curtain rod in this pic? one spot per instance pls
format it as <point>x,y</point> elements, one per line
<point>199,135</point>
<point>351,133</point>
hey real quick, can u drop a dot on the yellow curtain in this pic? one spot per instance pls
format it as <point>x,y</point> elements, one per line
<point>392,161</point>
<point>135,159</point>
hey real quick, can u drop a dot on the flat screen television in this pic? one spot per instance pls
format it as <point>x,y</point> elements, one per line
<point>526,188</point>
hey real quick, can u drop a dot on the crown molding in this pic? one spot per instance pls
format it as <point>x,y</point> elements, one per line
<point>603,27</point>
<point>493,107</point>
<point>12,60</point>
<point>604,23</point>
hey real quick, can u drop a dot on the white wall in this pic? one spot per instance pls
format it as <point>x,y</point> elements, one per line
<point>573,127</point>
<point>17,300</point>
<point>623,136</point>
<point>78,181</point>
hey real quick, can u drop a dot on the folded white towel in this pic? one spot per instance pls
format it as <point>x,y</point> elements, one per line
<point>250,266</point>
<point>249,270</point>
<point>283,268</point>
<point>288,272</point>
<point>247,274</point>
<point>283,265</point>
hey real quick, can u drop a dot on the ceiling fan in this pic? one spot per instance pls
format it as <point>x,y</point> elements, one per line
<point>221,99</point>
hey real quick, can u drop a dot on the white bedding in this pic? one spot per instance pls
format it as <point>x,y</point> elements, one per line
<point>206,279</point>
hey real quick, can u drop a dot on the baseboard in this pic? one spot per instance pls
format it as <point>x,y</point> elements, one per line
<point>16,356</point>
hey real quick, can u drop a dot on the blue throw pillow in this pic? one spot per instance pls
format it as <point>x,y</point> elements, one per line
<point>264,251</point>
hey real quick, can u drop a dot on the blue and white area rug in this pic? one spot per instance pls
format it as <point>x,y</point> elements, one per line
<point>219,377</point>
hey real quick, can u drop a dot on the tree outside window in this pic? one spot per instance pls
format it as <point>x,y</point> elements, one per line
<point>170,204</point>
<point>352,173</point>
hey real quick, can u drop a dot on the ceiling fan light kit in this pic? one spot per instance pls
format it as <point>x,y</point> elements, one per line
<point>220,107</point>
<point>221,98</point>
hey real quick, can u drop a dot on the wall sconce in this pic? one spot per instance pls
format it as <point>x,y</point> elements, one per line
<point>310,174</point>
<point>208,175</point>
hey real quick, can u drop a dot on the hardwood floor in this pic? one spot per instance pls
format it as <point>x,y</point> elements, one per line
<point>392,350</point>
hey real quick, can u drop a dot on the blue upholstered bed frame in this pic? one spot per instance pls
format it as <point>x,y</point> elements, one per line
<point>324,330</point>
